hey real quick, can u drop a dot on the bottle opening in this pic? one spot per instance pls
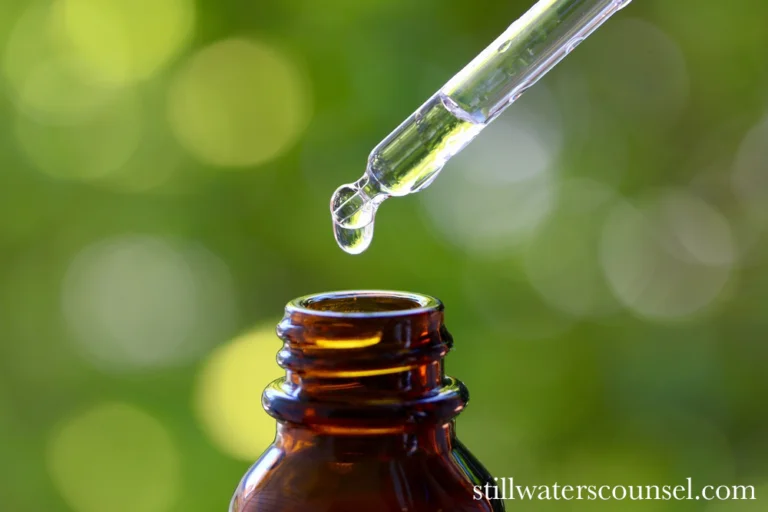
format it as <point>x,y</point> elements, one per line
<point>364,303</point>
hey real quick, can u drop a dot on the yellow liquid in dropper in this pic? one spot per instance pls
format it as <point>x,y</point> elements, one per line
<point>405,162</point>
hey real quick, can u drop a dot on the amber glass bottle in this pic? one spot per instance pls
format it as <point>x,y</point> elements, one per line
<point>365,413</point>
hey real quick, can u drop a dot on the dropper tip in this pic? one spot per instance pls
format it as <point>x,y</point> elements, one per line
<point>351,207</point>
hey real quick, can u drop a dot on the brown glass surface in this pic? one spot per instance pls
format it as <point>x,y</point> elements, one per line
<point>365,412</point>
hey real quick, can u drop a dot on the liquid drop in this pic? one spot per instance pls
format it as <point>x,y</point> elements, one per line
<point>355,240</point>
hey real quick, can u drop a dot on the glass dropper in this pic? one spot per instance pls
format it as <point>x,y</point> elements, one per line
<point>409,159</point>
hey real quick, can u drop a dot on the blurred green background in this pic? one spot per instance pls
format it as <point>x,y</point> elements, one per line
<point>165,171</point>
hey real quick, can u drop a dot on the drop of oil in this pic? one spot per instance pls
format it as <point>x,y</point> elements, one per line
<point>505,46</point>
<point>355,240</point>
<point>351,207</point>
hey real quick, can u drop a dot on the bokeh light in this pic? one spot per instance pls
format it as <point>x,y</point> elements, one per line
<point>750,179</point>
<point>74,126</point>
<point>122,41</point>
<point>93,149</point>
<point>114,456</point>
<point>724,178</point>
<point>639,71</point>
<point>668,258</point>
<point>238,103</point>
<point>574,285</point>
<point>137,301</point>
<point>40,74</point>
<point>494,194</point>
<point>157,163</point>
<point>228,393</point>
<point>507,303</point>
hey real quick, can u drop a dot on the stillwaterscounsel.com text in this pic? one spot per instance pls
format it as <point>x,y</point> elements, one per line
<point>505,488</point>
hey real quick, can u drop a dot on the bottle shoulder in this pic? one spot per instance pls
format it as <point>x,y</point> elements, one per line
<point>318,481</point>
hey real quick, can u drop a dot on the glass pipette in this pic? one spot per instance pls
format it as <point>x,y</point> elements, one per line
<point>409,159</point>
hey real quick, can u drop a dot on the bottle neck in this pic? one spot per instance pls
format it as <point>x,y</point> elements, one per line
<point>428,439</point>
<point>362,365</point>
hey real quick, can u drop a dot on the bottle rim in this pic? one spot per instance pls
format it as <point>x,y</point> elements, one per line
<point>364,304</point>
